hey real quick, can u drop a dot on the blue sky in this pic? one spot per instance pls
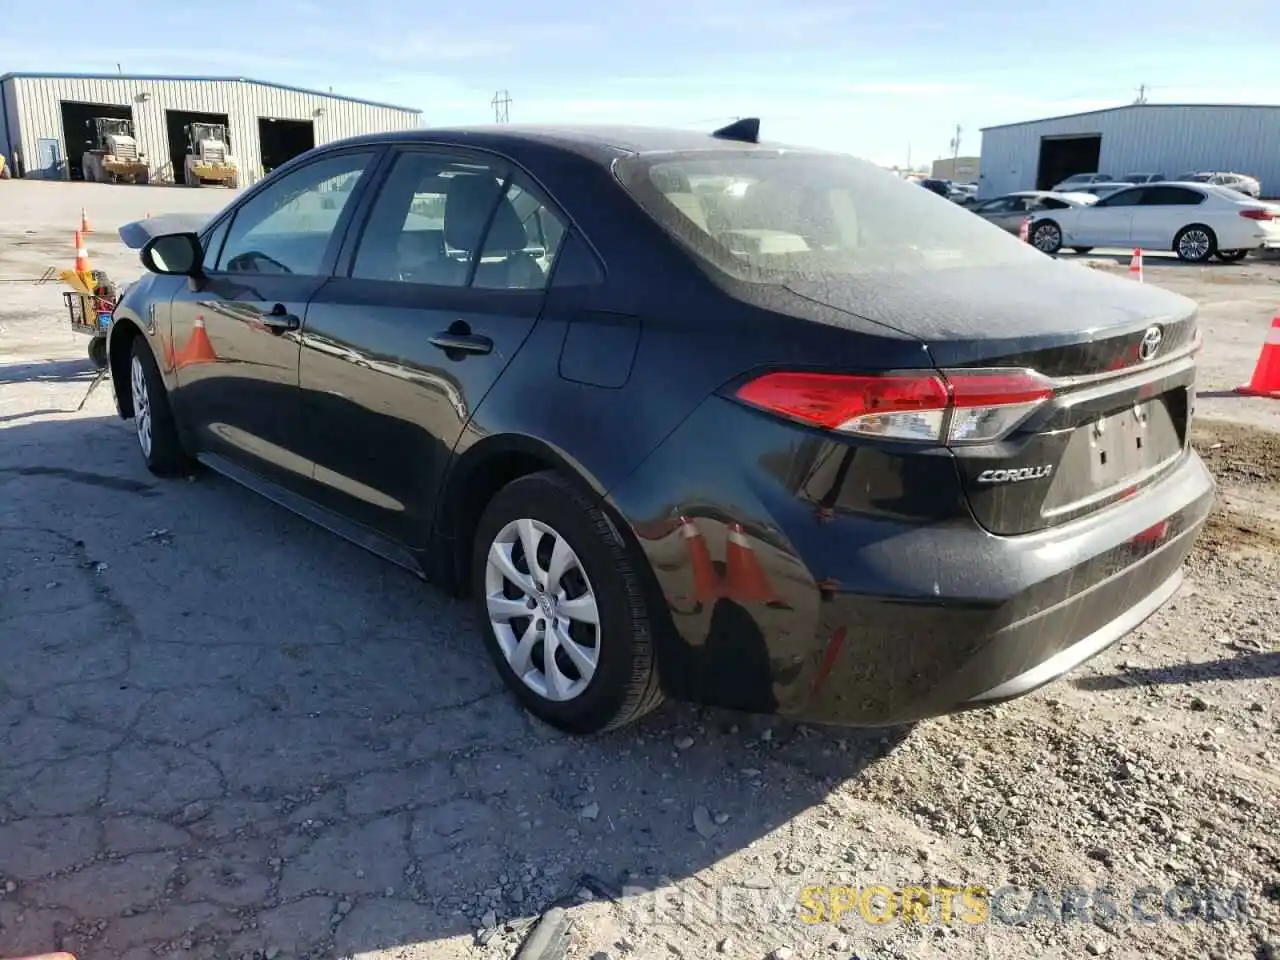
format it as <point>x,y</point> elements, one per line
<point>873,77</point>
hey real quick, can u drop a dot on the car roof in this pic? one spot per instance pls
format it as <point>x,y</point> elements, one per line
<point>598,142</point>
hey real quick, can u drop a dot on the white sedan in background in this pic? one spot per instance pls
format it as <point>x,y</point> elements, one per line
<point>1194,220</point>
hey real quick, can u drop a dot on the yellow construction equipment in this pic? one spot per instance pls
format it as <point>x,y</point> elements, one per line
<point>114,157</point>
<point>209,158</point>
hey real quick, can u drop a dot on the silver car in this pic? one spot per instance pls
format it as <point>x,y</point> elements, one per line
<point>1239,182</point>
<point>1078,180</point>
<point>1009,211</point>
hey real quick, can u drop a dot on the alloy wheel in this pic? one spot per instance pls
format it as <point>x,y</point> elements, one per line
<point>542,609</point>
<point>1194,245</point>
<point>141,406</point>
<point>1047,239</point>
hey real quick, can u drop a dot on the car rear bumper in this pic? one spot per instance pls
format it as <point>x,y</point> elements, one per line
<point>1085,648</point>
<point>858,613</point>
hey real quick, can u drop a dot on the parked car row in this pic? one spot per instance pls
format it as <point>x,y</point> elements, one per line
<point>1197,221</point>
<point>961,193</point>
<point>1242,183</point>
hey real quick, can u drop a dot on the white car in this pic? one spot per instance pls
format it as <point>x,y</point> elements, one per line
<point>1239,182</point>
<point>1194,220</point>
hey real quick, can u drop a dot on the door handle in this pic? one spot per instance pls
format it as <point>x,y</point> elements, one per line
<point>462,343</point>
<point>280,320</point>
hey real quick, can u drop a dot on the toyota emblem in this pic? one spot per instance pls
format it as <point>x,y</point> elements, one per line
<point>1150,344</point>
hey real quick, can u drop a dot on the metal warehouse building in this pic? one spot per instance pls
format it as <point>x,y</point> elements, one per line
<point>1139,138</point>
<point>46,120</point>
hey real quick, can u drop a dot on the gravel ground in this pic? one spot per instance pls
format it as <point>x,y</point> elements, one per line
<point>225,734</point>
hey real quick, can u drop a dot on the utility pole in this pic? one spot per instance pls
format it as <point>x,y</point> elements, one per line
<point>501,104</point>
<point>1142,94</point>
<point>955,150</point>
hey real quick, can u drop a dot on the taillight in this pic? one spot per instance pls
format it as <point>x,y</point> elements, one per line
<point>1254,213</point>
<point>952,407</point>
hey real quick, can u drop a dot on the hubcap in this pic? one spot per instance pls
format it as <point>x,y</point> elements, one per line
<point>141,406</point>
<point>1046,239</point>
<point>1194,245</point>
<point>542,609</point>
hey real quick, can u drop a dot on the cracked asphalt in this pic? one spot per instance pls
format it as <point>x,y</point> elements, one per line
<point>227,735</point>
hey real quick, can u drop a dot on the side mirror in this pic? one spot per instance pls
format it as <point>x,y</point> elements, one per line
<point>174,255</point>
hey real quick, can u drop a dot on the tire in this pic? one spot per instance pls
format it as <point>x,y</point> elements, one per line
<point>622,683</point>
<point>98,352</point>
<point>1046,236</point>
<point>1082,250</point>
<point>1232,256</point>
<point>1195,243</point>
<point>153,417</point>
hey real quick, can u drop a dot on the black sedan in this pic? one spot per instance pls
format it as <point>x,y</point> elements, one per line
<point>685,414</point>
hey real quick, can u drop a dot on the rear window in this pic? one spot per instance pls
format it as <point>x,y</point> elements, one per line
<point>766,216</point>
<point>1227,193</point>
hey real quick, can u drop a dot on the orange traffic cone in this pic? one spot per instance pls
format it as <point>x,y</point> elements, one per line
<point>82,262</point>
<point>1266,375</point>
<point>706,583</point>
<point>1024,230</point>
<point>198,348</point>
<point>1135,265</point>
<point>84,221</point>
<point>746,578</point>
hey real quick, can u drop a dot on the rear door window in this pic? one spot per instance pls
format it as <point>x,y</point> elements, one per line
<point>428,220</point>
<point>451,220</point>
<point>1171,197</point>
<point>1122,198</point>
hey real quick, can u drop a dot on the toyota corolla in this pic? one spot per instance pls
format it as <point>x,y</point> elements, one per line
<point>684,414</point>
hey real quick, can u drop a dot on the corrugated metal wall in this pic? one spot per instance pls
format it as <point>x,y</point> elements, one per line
<point>1156,138</point>
<point>40,113</point>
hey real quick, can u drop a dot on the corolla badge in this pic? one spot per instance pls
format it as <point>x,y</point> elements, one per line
<point>1015,474</point>
<point>1150,344</point>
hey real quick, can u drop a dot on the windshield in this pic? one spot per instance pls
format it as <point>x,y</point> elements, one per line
<point>769,216</point>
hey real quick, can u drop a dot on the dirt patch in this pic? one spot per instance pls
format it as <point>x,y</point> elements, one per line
<point>1237,453</point>
<point>1246,519</point>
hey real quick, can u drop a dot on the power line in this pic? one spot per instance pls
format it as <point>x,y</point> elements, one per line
<point>501,104</point>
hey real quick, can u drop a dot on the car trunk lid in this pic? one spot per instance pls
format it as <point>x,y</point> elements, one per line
<point>1120,357</point>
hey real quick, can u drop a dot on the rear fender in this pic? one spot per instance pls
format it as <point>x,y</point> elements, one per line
<point>473,477</point>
